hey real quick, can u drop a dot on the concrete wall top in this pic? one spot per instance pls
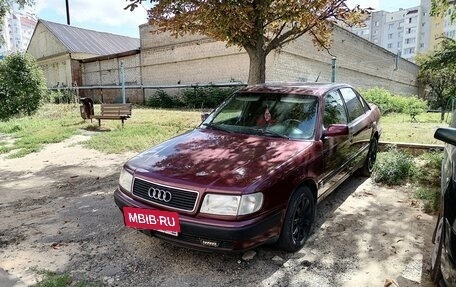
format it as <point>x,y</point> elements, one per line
<point>151,39</point>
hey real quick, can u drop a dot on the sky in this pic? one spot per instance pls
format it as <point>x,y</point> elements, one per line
<point>109,15</point>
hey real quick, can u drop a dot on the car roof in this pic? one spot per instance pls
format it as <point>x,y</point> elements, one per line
<point>310,88</point>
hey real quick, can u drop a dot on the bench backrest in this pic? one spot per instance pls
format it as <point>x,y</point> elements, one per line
<point>115,109</point>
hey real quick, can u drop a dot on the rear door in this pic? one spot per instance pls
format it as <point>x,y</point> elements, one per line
<point>360,126</point>
<point>337,148</point>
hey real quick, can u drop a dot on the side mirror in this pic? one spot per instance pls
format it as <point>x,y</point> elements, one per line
<point>336,130</point>
<point>204,116</point>
<point>447,135</point>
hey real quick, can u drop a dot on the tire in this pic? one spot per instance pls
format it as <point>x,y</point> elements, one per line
<point>436,273</point>
<point>299,220</point>
<point>368,167</point>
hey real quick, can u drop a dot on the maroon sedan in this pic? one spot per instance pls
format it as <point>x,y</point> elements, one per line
<point>254,170</point>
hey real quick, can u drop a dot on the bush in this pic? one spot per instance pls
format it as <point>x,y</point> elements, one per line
<point>430,198</point>
<point>22,86</point>
<point>428,167</point>
<point>59,97</point>
<point>161,99</point>
<point>393,167</point>
<point>389,103</point>
<point>206,97</point>
<point>195,98</point>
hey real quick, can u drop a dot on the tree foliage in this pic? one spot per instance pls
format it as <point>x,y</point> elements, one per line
<point>439,8</point>
<point>438,71</point>
<point>258,26</point>
<point>5,6</point>
<point>22,85</point>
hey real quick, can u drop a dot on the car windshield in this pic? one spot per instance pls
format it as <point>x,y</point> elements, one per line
<point>273,115</point>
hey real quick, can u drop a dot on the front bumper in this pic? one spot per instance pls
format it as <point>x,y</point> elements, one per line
<point>214,235</point>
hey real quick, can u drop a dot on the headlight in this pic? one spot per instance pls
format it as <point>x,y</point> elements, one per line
<point>125,180</point>
<point>231,204</point>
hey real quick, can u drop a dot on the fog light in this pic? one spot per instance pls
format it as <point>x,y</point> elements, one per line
<point>209,243</point>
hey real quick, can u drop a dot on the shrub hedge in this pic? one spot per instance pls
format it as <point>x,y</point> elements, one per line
<point>389,103</point>
<point>193,98</point>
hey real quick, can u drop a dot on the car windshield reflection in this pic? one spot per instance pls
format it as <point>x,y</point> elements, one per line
<point>273,115</point>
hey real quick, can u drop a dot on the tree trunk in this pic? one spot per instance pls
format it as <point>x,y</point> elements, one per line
<point>257,68</point>
<point>442,114</point>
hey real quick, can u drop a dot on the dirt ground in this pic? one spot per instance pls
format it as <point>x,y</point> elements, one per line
<point>58,214</point>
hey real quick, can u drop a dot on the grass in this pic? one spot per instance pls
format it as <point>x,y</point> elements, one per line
<point>52,123</point>
<point>396,167</point>
<point>55,123</point>
<point>52,279</point>
<point>430,196</point>
<point>399,128</point>
<point>147,127</point>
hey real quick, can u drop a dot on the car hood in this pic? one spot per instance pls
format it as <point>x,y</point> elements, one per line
<point>206,158</point>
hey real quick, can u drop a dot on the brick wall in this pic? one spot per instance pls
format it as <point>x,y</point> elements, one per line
<point>198,59</point>
<point>166,60</point>
<point>358,62</point>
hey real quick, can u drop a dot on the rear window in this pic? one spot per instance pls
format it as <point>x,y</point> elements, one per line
<point>354,105</point>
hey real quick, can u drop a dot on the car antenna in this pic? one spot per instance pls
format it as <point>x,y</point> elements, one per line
<point>318,77</point>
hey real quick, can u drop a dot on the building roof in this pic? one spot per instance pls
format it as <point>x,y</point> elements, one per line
<point>79,40</point>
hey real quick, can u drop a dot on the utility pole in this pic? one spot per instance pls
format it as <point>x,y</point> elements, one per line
<point>122,74</point>
<point>67,12</point>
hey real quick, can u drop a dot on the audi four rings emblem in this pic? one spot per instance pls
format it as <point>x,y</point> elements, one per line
<point>159,194</point>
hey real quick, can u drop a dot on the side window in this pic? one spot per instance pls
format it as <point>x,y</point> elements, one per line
<point>334,110</point>
<point>354,106</point>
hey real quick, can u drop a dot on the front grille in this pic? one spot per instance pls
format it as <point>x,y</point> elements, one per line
<point>180,199</point>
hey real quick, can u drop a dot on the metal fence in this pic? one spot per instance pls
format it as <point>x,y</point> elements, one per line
<point>137,94</point>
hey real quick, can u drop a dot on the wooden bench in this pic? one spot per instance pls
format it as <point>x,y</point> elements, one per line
<point>114,112</point>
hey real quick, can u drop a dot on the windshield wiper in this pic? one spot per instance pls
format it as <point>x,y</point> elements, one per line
<point>216,127</point>
<point>273,133</point>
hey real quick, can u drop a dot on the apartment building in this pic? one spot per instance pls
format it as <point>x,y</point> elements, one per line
<point>406,32</point>
<point>16,31</point>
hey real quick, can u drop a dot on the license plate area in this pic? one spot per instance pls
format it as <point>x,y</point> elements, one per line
<point>142,218</point>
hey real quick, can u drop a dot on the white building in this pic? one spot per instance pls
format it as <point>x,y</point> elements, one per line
<point>17,30</point>
<point>406,32</point>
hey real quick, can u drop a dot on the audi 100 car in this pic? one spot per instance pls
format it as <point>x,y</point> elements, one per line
<point>254,170</point>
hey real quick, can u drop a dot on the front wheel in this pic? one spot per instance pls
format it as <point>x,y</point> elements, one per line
<point>368,167</point>
<point>298,221</point>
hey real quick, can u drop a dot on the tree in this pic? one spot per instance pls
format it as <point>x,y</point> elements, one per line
<point>22,85</point>
<point>5,6</point>
<point>258,26</point>
<point>440,7</point>
<point>438,70</point>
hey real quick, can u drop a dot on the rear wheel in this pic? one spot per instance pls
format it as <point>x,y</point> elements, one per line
<point>368,166</point>
<point>436,273</point>
<point>299,220</point>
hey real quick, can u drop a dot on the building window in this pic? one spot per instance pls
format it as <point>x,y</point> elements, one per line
<point>390,36</point>
<point>409,51</point>
<point>409,40</point>
<point>390,26</point>
<point>390,45</point>
<point>377,24</point>
<point>410,20</point>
